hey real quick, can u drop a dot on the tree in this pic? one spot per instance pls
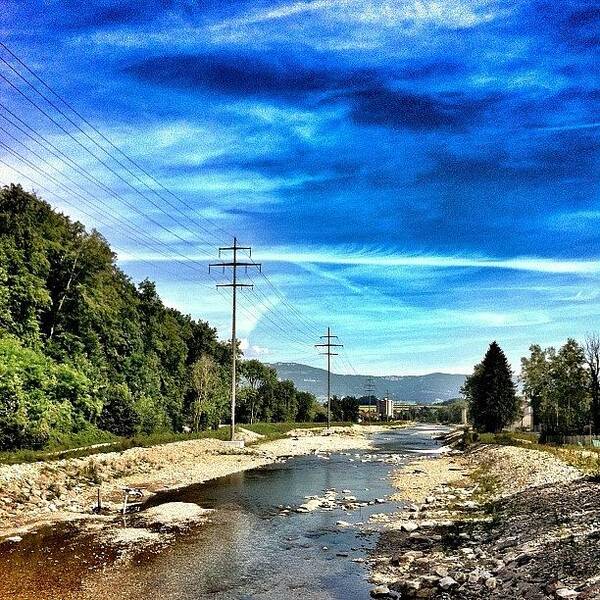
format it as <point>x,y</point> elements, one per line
<point>118,414</point>
<point>345,409</point>
<point>490,392</point>
<point>567,403</point>
<point>255,374</point>
<point>285,405</point>
<point>592,358</point>
<point>559,386</point>
<point>306,407</point>
<point>209,389</point>
<point>535,376</point>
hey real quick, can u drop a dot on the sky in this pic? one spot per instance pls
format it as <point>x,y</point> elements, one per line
<point>419,175</point>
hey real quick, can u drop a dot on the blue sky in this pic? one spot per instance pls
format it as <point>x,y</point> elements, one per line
<point>420,175</point>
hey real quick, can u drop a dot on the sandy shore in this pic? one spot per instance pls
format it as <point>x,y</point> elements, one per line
<point>64,490</point>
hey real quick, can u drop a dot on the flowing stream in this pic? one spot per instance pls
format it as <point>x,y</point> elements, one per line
<point>251,550</point>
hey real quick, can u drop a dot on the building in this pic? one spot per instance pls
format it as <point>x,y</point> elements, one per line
<point>525,423</point>
<point>385,407</point>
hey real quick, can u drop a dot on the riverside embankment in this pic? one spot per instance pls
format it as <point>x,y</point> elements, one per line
<point>498,522</point>
<point>295,528</point>
<point>64,490</point>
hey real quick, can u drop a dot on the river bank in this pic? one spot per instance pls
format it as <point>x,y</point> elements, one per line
<point>36,494</point>
<point>494,522</point>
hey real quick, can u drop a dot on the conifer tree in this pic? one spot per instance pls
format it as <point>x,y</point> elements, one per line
<point>491,393</point>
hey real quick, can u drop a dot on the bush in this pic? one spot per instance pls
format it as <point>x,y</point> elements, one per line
<point>38,398</point>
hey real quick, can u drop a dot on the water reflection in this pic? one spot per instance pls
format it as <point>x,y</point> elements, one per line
<point>252,551</point>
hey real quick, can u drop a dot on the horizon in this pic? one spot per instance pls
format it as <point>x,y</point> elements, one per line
<point>421,177</point>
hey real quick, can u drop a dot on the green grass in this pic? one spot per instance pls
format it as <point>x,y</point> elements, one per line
<point>586,458</point>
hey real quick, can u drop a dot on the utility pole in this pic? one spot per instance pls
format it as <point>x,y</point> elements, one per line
<point>234,265</point>
<point>328,345</point>
<point>369,393</point>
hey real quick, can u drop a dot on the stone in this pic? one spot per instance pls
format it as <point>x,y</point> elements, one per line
<point>441,571</point>
<point>566,593</point>
<point>409,527</point>
<point>447,582</point>
<point>381,591</point>
<point>491,583</point>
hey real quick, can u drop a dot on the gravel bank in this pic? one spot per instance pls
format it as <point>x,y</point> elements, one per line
<point>37,493</point>
<point>497,522</point>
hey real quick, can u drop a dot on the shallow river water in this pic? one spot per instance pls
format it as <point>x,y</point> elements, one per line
<point>249,551</point>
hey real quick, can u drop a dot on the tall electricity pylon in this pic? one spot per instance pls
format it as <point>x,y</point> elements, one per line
<point>234,265</point>
<point>328,346</point>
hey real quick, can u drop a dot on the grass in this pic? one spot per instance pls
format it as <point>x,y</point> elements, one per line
<point>71,448</point>
<point>586,459</point>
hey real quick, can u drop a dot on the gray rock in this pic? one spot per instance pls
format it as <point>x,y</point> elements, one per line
<point>447,582</point>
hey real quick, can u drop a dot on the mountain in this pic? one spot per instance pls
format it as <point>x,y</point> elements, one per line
<point>420,389</point>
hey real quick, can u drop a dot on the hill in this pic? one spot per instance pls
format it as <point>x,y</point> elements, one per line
<point>426,389</point>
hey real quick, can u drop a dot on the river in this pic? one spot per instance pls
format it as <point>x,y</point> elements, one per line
<point>251,550</point>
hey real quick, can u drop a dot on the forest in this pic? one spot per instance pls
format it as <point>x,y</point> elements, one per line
<point>86,353</point>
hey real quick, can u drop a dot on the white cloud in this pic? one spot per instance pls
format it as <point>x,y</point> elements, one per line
<point>361,256</point>
<point>374,258</point>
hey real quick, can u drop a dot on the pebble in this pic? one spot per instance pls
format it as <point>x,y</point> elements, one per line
<point>566,593</point>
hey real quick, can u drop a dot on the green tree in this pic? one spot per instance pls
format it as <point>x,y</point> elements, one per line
<point>536,379</point>
<point>558,385</point>
<point>209,389</point>
<point>306,403</point>
<point>345,409</point>
<point>592,358</point>
<point>490,392</point>
<point>255,375</point>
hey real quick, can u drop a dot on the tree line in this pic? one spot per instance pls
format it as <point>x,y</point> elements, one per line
<point>84,350</point>
<point>562,387</point>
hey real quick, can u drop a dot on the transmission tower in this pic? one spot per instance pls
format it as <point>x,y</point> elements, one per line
<point>369,393</point>
<point>328,345</point>
<point>234,265</point>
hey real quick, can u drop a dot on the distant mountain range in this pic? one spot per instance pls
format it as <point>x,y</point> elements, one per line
<point>420,389</point>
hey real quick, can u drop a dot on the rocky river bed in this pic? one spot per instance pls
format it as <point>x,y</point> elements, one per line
<point>295,528</point>
<point>496,522</point>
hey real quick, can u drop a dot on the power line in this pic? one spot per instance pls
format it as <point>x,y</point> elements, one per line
<point>72,164</point>
<point>299,315</point>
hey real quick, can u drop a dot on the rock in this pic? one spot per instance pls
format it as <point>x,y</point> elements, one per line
<point>309,506</point>
<point>430,500</point>
<point>491,583</point>
<point>447,582</point>
<point>174,515</point>
<point>441,571</point>
<point>409,526</point>
<point>566,593</point>
<point>379,500</point>
<point>381,591</point>
<point>473,577</point>
<point>15,539</point>
<point>343,524</point>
